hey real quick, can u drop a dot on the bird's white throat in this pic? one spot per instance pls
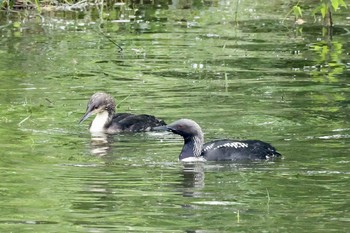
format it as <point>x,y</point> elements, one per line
<point>99,122</point>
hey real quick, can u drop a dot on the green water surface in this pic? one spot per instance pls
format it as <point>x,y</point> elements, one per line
<point>235,67</point>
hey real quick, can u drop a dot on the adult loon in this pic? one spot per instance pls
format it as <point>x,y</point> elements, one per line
<point>107,121</point>
<point>218,150</point>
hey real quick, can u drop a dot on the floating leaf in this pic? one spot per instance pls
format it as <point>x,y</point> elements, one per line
<point>316,10</point>
<point>323,10</point>
<point>38,7</point>
<point>16,24</point>
<point>342,3</point>
<point>297,11</point>
<point>335,4</point>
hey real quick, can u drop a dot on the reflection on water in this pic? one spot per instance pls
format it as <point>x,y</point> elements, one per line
<point>101,144</point>
<point>193,179</point>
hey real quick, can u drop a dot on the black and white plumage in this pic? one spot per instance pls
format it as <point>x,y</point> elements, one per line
<point>107,121</point>
<point>218,150</point>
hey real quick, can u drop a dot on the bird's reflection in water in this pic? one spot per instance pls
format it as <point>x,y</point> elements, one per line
<point>193,179</point>
<point>100,144</point>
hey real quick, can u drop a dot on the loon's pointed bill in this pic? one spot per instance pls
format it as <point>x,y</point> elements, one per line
<point>86,116</point>
<point>161,128</point>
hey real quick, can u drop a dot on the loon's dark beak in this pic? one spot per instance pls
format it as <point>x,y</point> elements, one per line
<point>89,111</point>
<point>161,128</point>
<point>168,128</point>
<point>86,116</point>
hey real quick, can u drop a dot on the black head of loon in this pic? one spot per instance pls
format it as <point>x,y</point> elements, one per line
<point>218,150</point>
<point>107,121</point>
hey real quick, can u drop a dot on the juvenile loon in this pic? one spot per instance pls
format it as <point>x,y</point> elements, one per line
<point>218,150</point>
<point>107,121</point>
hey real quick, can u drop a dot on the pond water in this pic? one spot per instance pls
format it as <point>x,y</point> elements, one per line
<point>235,67</point>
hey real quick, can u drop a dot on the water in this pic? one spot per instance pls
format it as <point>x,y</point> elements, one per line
<point>231,66</point>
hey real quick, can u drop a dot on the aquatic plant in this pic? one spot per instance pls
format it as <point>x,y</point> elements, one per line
<point>326,8</point>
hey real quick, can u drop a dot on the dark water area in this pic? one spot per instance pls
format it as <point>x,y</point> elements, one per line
<point>241,69</point>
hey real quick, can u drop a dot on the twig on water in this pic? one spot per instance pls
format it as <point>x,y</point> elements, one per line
<point>268,201</point>
<point>108,38</point>
<point>268,196</point>
<point>48,100</point>
<point>24,120</point>
<point>123,100</point>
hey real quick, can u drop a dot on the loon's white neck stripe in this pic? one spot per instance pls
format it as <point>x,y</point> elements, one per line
<point>197,146</point>
<point>99,122</point>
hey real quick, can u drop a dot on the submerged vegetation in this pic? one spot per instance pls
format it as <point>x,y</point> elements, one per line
<point>111,15</point>
<point>325,8</point>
